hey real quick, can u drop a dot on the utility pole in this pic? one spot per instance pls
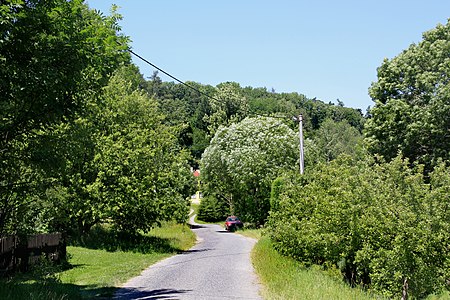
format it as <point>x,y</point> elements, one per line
<point>300,135</point>
<point>300,130</point>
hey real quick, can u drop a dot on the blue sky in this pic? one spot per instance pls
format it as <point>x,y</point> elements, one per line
<point>324,49</point>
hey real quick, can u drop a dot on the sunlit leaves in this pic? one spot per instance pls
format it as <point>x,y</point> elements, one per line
<point>335,138</point>
<point>378,223</point>
<point>244,158</point>
<point>142,173</point>
<point>412,98</point>
<point>228,106</point>
<point>55,56</point>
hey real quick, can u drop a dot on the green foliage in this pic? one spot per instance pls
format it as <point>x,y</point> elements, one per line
<point>122,164</point>
<point>117,162</point>
<point>412,102</point>
<point>227,106</point>
<point>379,224</point>
<point>200,116</point>
<point>285,278</point>
<point>242,161</point>
<point>314,111</point>
<point>335,138</point>
<point>275,192</point>
<point>142,174</point>
<point>54,56</point>
<point>213,209</point>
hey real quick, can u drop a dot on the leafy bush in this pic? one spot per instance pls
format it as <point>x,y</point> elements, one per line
<point>380,224</point>
<point>212,210</point>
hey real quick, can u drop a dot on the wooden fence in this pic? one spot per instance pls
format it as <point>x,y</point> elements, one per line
<point>21,252</point>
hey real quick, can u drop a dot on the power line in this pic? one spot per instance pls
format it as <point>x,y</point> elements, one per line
<point>190,86</point>
<point>171,76</point>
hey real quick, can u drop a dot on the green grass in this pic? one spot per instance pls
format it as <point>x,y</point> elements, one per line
<point>252,233</point>
<point>98,267</point>
<point>284,278</point>
<point>98,272</point>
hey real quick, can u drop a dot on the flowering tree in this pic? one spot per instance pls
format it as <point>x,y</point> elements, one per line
<point>243,160</point>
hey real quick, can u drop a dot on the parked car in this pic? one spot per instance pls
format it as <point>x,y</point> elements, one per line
<point>233,223</point>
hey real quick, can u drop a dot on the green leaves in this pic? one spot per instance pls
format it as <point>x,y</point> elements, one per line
<point>228,106</point>
<point>242,161</point>
<point>413,102</point>
<point>55,57</point>
<point>379,223</point>
<point>333,139</point>
<point>142,173</point>
<point>73,152</point>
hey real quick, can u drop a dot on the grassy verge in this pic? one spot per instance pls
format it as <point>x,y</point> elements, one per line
<point>97,269</point>
<point>252,233</point>
<point>284,278</point>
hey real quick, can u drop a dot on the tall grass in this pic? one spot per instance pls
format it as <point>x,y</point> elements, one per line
<point>98,264</point>
<point>284,278</point>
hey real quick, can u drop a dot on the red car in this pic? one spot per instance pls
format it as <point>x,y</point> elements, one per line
<point>233,223</point>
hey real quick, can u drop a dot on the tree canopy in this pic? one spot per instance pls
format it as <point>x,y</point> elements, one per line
<point>81,140</point>
<point>412,102</point>
<point>243,159</point>
<point>54,56</point>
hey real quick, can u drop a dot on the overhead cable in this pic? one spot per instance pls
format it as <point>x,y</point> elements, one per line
<point>188,85</point>
<point>171,76</point>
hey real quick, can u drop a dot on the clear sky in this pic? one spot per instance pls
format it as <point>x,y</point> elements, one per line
<point>324,49</point>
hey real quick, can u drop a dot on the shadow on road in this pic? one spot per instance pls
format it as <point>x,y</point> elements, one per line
<point>195,251</point>
<point>196,226</point>
<point>225,231</point>
<point>132,293</point>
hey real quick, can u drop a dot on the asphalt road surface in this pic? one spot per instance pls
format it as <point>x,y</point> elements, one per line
<point>217,267</point>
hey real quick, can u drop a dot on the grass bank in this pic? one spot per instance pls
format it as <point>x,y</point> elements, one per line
<point>252,233</point>
<point>284,278</point>
<point>98,265</point>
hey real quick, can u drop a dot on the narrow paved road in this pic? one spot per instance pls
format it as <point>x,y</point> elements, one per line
<point>217,267</point>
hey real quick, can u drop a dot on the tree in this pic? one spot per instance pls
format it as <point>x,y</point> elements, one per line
<point>54,55</point>
<point>123,165</point>
<point>143,175</point>
<point>243,159</point>
<point>412,102</point>
<point>227,106</point>
<point>335,138</point>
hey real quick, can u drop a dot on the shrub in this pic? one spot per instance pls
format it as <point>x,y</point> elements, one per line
<point>212,210</point>
<point>380,224</point>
